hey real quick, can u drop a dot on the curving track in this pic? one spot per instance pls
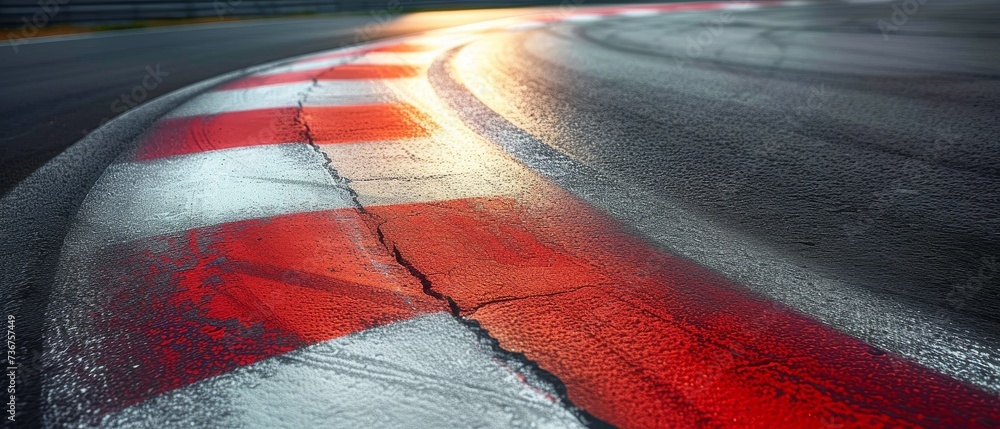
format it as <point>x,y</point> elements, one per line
<point>564,220</point>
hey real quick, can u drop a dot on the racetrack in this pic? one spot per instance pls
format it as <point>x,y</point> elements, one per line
<point>564,220</point>
<point>58,89</point>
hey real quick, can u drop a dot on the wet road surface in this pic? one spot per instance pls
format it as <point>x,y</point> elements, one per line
<point>581,219</point>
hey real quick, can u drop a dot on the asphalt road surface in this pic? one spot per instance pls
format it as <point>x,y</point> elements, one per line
<point>869,158</point>
<point>56,90</point>
<point>760,214</point>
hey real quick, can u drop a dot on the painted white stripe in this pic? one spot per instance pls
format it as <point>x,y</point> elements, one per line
<point>322,93</point>
<point>421,171</point>
<point>352,52</point>
<point>135,200</point>
<point>372,58</point>
<point>443,41</point>
<point>430,189</point>
<point>524,26</point>
<point>315,64</point>
<point>417,158</point>
<point>397,58</point>
<point>583,18</point>
<point>639,12</point>
<point>430,372</point>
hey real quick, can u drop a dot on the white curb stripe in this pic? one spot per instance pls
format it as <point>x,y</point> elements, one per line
<point>372,58</point>
<point>421,171</point>
<point>135,200</point>
<point>583,18</point>
<point>141,199</point>
<point>638,12</point>
<point>321,93</point>
<point>426,372</point>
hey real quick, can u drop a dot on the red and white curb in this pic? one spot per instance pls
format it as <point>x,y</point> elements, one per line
<point>429,372</point>
<point>308,246</point>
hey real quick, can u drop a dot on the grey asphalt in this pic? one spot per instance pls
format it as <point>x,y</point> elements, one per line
<point>866,158</point>
<point>872,159</point>
<point>56,90</point>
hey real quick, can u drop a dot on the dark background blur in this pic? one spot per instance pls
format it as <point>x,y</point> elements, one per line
<point>14,12</point>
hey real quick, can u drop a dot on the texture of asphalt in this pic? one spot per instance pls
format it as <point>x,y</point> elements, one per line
<point>58,89</point>
<point>868,157</point>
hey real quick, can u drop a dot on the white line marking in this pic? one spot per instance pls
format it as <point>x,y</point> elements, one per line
<point>135,200</point>
<point>639,12</point>
<point>741,6</point>
<point>325,93</point>
<point>372,58</point>
<point>525,26</point>
<point>420,171</point>
<point>583,18</point>
<point>427,372</point>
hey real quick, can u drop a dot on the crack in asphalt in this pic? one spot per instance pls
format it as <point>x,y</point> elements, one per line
<point>534,376</point>
<point>428,287</point>
<point>473,310</point>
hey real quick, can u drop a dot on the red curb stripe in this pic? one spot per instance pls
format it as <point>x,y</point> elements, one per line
<point>406,47</point>
<point>328,124</point>
<point>369,71</point>
<point>181,136</point>
<point>376,122</point>
<point>645,339</point>
<point>185,307</point>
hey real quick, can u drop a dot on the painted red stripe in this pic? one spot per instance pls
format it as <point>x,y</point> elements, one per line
<point>369,71</point>
<point>645,339</point>
<point>193,305</point>
<point>181,136</point>
<point>346,124</point>
<point>327,124</point>
<point>405,47</point>
<point>346,71</point>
